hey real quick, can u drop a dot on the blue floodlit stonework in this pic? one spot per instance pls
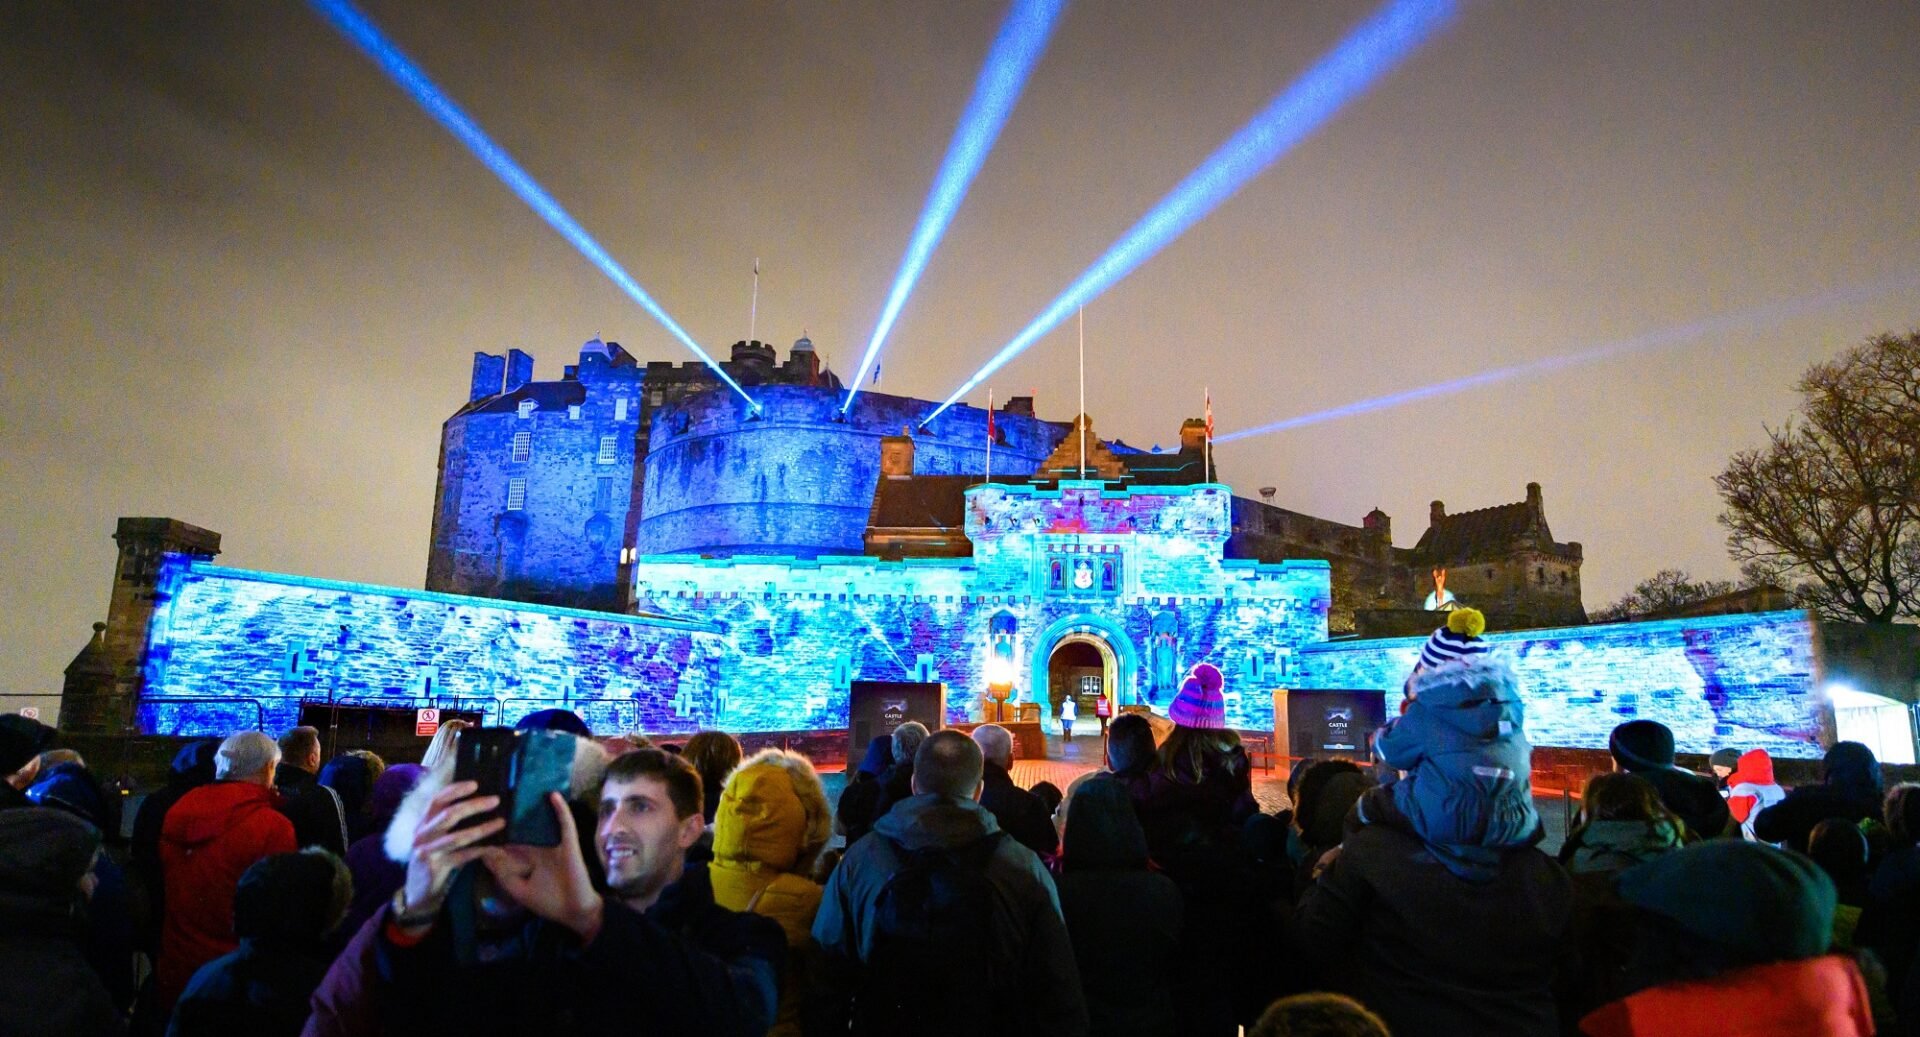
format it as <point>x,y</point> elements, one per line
<point>759,643</point>
<point>1741,680</point>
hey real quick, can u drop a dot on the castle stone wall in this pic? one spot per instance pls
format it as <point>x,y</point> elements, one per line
<point>793,479</point>
<point>1743,681</point>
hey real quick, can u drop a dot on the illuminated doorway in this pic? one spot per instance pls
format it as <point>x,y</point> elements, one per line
<point>1083,666</point>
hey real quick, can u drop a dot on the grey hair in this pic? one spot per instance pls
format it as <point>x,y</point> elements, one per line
<point>907,738</point>
<point>996,743</point>
<point>245,755</point>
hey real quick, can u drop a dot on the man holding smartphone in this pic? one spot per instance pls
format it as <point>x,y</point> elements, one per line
<point>652,947</point>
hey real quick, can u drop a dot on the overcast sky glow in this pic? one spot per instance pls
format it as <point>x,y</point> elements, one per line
<point>242,275</point>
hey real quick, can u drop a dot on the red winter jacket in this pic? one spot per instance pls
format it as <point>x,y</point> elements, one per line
<point>1818,997</point>
<point>209,838</point>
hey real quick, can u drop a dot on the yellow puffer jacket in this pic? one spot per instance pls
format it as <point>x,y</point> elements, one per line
<point>772,821</point>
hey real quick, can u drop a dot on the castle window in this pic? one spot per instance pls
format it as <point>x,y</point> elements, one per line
<point>573,412</point>
<point>609,447</point>
<point>603,493</point>
<point>1540,573</point>
<point>522,446</point>
<point>620,409</point>
<point>527,408</point>
<point>516,494</point>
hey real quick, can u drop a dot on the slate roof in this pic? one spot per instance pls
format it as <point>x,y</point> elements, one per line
<point>548,396</point>
<point>921,502</point>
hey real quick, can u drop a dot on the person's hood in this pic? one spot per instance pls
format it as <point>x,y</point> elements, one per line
<point>1478,697</point>
<point>71,787</point>
<point>21,739</point>
<point>1324,825</point>
<point>1637,840</point>
<point>589,768</point>
<point>193,764</point>
<point>207,812</point>
<point>389,789</point>
<point>1756,768</point>
<point>563,720</point>
<point>763,817</point>
<point>929,821</point>
<point>287,900</point>
<point>1770,904</point>
<point>1642,745</point>
<point>879,756</point>
<point>352,777</point>
<point>1851,770</point>
<point>1102,830</point>
<point>43,854</point>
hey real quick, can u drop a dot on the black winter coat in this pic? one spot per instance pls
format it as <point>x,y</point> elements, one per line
<point>687,965</point>
<point>1434,954</point>
<point>1695,798</point>
<point>260,990</point>
<point>318,816</point>
<point>1020,813</point>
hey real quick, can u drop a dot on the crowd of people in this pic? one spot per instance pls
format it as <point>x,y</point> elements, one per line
<point>694,888</point>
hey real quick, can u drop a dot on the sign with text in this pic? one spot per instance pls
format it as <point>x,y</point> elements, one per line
<point>426,722</point>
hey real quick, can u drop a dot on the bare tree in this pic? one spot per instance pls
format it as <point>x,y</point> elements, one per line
<point>1830,507</point>
<point>1666,589</point>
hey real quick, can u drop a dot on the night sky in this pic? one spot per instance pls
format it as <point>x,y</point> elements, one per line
<point>242,275</point>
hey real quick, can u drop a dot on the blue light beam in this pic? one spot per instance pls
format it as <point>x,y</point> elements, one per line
<point>1667,338</point>
<point>357,28</point>
<point>1369,52</point>
<point>1023,38</point>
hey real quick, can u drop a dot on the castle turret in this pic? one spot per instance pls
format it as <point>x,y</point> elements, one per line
<point>104,681</point>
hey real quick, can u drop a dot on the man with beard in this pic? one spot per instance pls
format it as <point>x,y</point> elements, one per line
<point>652,949</point>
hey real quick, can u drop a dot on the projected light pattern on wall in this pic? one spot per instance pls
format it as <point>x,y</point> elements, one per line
<point>773,644</point>
<point>356,27</point>
<point>1745,681</point>
<point>1023,38</point>
<point>1369,52</point>
<point>1754,319</point>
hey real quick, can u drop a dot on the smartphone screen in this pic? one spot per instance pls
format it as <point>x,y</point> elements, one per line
<point>522,768</point>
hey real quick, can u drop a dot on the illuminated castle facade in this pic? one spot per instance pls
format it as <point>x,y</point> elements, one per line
<point>550,490</point>
<point>635,543</point>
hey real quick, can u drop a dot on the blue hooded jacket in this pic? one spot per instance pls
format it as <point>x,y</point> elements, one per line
<point>1463,744</point>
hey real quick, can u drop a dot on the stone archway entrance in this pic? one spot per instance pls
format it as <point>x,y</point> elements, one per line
<point>1082,666</point>
<point>1119,662</point>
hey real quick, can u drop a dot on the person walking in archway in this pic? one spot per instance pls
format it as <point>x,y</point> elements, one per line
<point>1067,713</point>
<point>1103,708</point>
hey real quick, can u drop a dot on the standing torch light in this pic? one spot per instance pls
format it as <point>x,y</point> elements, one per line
<point>999,684</point>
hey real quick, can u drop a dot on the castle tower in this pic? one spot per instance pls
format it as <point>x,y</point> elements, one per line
<point>104,681</point>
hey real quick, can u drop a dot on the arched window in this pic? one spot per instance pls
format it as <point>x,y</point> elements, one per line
<point>1056,577</point>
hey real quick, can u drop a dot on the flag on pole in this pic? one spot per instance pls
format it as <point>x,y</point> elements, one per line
<point>1209,415</point>
<point>989,434</point>
<point>876,374</point>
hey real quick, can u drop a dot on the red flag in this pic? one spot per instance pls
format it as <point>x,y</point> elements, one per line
<point>1209,415</point>
<point>989,422</point>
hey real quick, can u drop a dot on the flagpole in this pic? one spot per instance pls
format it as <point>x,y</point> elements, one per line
<point>753,312</point>
<point>1082,419</point>
<point>989,433</point>
<point>1208,463</point>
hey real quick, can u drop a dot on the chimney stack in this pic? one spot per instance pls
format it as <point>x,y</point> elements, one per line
<point>489,372</point>
<point>896,455</point>
<point>519,369</point>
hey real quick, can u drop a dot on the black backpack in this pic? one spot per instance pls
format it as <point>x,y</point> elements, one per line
<point>933,946</point>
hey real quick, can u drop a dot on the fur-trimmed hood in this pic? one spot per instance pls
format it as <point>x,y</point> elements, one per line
<point>589,769</point>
